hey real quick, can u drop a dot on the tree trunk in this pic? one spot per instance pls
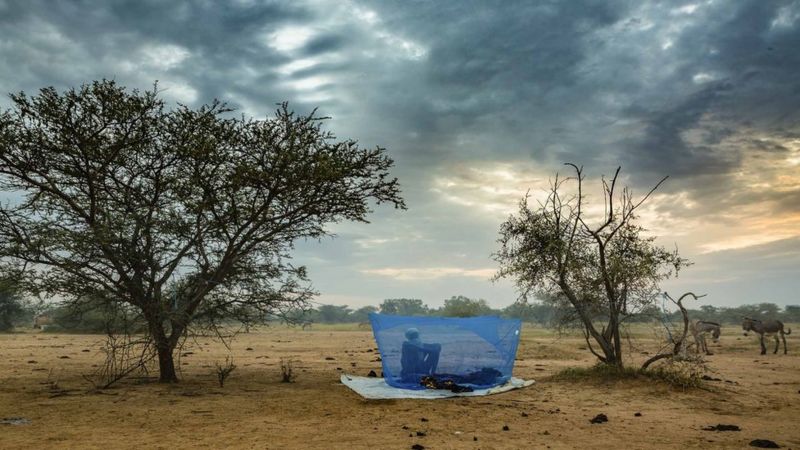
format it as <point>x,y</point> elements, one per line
<point>164,347</point>
<point>166,365</point>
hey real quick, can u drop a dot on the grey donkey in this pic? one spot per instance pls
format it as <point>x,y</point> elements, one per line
<point>770,328</point>
<point>699,329</point>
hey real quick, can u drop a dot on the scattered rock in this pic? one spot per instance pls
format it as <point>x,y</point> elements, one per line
<point>63,357</point>
<point>421,433</point>
<point>418,447</point>
<point>86,350</point>
<point>708,378</point>
<point>638,414</point>
<point>475,438</point>
<point>14,421</point>
<point>505,428</point>
<point>546,433</point>
<point>372,374</point>
<point>422,419</point>
<point>338,368</point>
<point>187,353</point>
<point>405,427</point>
<point>249,349</point>
<point>722,427</point>
<point>600,418</point>
<point>330,358</point>
<point>369,350</point>
<point>524,414</point>
<point>764,443</point>
<point>33,362</point>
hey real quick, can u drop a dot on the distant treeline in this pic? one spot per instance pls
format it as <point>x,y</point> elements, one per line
<point>16,312</point>
<point>542,313</point>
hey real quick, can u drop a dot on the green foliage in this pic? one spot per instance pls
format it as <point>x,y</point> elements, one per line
<point>681,374</point>
<point>734,314</point>
<point>404,307</point>
<point>331,314</point>
<point>12,307</point>
<point>460,306</point>
<point>188,215</point>
<point>95,317</point>
<point>606,270</point>
<point>362,314</point>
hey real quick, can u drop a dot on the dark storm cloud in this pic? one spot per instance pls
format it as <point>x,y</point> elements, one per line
<point>699,91</point>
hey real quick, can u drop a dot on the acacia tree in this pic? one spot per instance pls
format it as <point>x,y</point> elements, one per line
<point>185,215</point>
<point>603,272</point>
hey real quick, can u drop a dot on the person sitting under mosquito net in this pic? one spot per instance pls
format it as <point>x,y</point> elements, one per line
<point>417,358</point>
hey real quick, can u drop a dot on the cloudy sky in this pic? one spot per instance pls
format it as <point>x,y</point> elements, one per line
<point>478,102</point>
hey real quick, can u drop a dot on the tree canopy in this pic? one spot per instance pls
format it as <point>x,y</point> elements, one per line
<point>187,215</point>
<point>602,272</point>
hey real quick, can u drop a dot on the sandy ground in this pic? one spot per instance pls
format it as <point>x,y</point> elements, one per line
<point>256,410</point>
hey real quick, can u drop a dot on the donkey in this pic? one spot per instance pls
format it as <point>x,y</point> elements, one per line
<point>699,329</point>
<point>770,328</point>
<point>42,321</point>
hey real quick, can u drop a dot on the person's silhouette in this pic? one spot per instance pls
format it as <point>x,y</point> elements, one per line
<point>417,358</point>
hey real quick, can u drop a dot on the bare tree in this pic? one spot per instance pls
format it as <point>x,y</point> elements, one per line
<point>603,272</point>
<point>677,345</point>
<point>187,215</point>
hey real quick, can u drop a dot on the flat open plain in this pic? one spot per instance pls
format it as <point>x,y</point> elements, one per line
<point>41,379</point>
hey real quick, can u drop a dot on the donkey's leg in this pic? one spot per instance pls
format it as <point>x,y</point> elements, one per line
<point>763,347</point>
<point>783,337</point>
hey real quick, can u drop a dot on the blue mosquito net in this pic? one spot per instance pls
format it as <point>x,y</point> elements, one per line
<point>440,352</point>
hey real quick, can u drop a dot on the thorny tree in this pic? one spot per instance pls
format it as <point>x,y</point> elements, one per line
<point>185,215</point>
<point>602,272</point>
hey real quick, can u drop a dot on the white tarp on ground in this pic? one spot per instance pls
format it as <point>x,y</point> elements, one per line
<point>376,388</point>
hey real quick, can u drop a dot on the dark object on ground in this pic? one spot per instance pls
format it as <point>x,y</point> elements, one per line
<point>475,438</point>
<point>600,418</point>
<point>432,382</point>
<point>764,443</point>
<point>249,349</point>
<point>329,358</point>
<point>32,362</point>
<point>64,357</point>
<point>372,374</point>
<point>14,421</point>
<point>524,414</point>
<point>418,447</point>
<point>708,378</point>
<point>422,419</point>
<point>86,350</point>
<point>420,433</point>
<point>722,427</point>
<point>455,383</point>
<point>638,414</point>
<point>505,428</point>
<point>405,427</point>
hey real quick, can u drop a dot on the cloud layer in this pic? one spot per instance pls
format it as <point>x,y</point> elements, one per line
<point>479,103</point>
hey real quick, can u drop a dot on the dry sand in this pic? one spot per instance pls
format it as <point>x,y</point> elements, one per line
<point>256,410</point>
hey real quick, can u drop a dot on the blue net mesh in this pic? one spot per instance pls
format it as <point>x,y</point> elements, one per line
<point>475,352</point>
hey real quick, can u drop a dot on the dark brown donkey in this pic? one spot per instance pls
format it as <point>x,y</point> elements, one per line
<point>768,327</point>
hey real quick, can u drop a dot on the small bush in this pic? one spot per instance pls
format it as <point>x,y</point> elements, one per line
<point>224,370</point>
<point>683,374</point>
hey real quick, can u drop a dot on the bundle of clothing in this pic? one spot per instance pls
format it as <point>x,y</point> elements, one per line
<point>456,383</point>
